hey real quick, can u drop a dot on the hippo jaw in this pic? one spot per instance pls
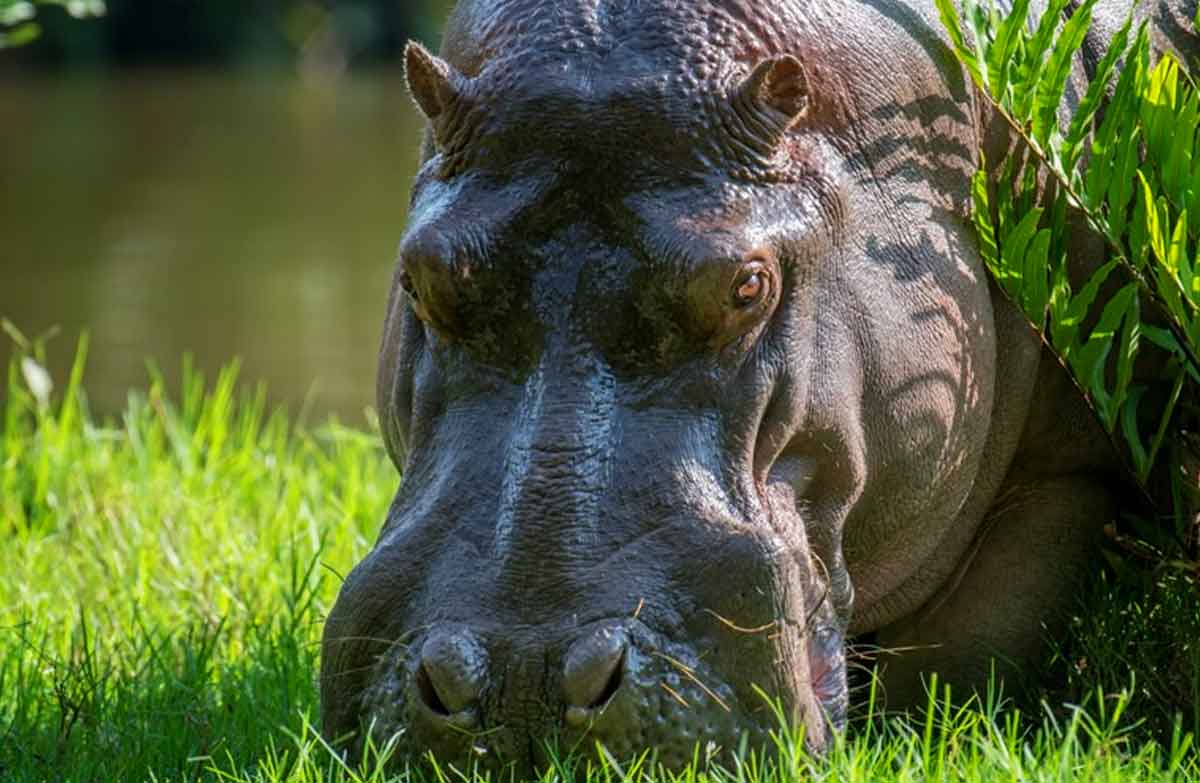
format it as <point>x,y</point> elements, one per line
<point>652,694</point>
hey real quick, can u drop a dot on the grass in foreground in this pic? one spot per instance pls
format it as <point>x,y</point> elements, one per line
<point>165,576</point>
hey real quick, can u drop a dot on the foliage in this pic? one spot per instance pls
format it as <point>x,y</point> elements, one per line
<point>166,574</point>
<point>1127,167</point>
<point>18,25</point>
<point>1131,637</point>
<point>216,31</point>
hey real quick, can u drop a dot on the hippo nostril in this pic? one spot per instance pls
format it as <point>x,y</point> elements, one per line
<point>611,685</point>
<point>451,675</point>
<point>592,671</point>
<point>429,693</point>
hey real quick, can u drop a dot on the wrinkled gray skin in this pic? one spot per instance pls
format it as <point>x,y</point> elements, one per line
<point>693,370</point>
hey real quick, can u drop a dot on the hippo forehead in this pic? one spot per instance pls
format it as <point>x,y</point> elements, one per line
<point>665,35</point>
<point>581,81</point>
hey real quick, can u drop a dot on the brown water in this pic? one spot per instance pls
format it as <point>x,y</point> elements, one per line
<point>225,215</point>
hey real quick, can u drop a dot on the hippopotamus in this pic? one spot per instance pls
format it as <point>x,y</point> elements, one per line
<point>693,372</point>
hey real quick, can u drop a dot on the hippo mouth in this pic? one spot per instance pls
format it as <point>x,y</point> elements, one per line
<point>827,674</point>
<point>621,689</point>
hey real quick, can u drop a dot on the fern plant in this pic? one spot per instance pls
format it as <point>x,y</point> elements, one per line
<point>1126,161</point>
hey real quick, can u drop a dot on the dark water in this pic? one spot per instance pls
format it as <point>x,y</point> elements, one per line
<point>225,215</point>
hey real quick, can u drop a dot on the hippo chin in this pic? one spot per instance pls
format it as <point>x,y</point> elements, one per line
<point>693,369</point>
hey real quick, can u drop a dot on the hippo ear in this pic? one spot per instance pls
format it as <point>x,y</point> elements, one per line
<point>433,82</point>
<point>777,86</point>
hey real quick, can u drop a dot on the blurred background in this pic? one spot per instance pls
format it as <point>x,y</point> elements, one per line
<point>226,178</point>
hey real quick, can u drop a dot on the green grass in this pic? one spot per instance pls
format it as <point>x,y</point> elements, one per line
<point>165,574</point>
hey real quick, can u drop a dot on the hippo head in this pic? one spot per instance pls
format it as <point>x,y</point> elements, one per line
<point>643,304</point>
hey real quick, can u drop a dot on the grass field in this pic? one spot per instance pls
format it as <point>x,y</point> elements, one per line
<point>165,575</point>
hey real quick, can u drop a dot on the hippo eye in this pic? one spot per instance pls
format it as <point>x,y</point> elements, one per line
<point>750,284</point>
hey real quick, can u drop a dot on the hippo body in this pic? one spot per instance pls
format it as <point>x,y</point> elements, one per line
<point>693,371</point>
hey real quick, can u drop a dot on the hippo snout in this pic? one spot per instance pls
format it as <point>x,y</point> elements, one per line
<point>471,697</point>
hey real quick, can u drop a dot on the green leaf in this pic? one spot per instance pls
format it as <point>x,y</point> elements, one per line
<point>1120,188</point>
<point>1012,246</point>
<point>1099,172</point>
<point>1129,429</point>
<point>1157,106</point>
<point>1175,168</point>
<point>1119,123</point>
<point>1167,271</point>
<point>1035,279</point>
<point>1089,363</point>
<point>1178,260</point>
<point>1011,269</point>
<point>1003,50</point>
<point>1035,51</point>
<point>1006,210</point>
<point>1060,294</point>
<point>1154,233</point>
<point>1162,338</point>
<point>1192,202</point>
<point>1027,196</point>
<point>1063,332</point>
<point>1163,424</point>
<point>981,29</point>
<point>1059,220</point>
<point>1054,77</point>
<point>950,21</point>
<point>1167,286</point>
<point>1130,337</point>
<point>1081,121</point>
<point>982,214</point>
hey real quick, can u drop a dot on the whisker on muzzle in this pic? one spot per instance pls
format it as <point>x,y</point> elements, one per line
<point>690,673</point>
<point>740,629</point>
